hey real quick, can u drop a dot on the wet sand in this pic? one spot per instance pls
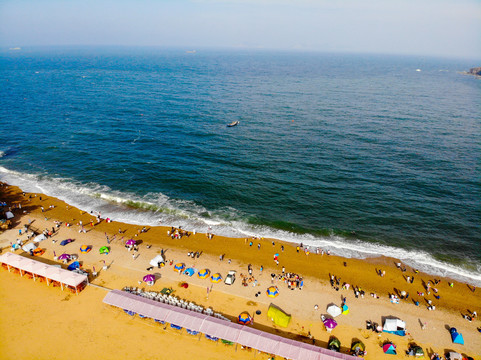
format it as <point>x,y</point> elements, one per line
<point>84,320</point>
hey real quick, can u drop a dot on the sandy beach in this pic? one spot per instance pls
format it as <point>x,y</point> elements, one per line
<point>82,326</point>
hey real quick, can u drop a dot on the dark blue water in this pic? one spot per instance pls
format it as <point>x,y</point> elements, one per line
<point>360,154</point>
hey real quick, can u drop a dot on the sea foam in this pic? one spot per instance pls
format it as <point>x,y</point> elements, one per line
<point>158,209</point>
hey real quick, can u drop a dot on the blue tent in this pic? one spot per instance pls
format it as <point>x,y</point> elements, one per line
<point>65,242</point>
<point>189,271</point>
<point>456,337</point>
<point>74,265</point>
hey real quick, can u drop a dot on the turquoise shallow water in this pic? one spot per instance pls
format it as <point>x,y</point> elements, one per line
<point>361,154</point>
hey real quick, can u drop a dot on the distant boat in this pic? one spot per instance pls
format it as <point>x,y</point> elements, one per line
<point>234,123</point>
<point>418,70</point>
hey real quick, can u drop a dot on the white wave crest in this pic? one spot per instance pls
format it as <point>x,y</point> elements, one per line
<point>158,209</point>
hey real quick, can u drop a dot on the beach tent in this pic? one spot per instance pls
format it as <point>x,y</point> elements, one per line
<point>358,348</point>
<point>9,215</point>
<point>244,318</point>
<point>38,251</point>
<point>394,326</point>
<point>278,316</point>
<point>65,242</point>
<point>29,247</point>
<point>73,266</point>
<point>334,310</point>
<point>272,291</point>
<point>39,238</point>
<point>85,248</point>
<point>456,337</point>
<point>454,356</point>
<point>216,278</point>
<point>179,267</point>
<point>202,274</point>
<point>416,351</point>
<point>104,250</point>
<point>189,271</point>
<point>334,344</point>
<point>389,348</point>
<point>156,261</point>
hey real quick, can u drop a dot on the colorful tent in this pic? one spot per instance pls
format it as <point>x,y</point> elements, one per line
<point>104,250</point>
<point>334,310</point>
<point>334,344</point>
<point>203,273</point>
<point>389,348</point>
<point>345,309</point>
<point>416,351</point>
<point>358,348</point>
<point>179,267</point>
<point>272,291</point>
<point>65,242</point>
<point>394,326</point>
<point>85,248</point>
<point>278,316</point>
<point>73,266</point>
<point>216,278</point>
<point>456,337</point>
<point>189,271</point>
<point>38,251</point>
<point>245,318</point>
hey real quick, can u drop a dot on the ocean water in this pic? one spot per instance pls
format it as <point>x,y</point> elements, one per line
<point>359,154</point>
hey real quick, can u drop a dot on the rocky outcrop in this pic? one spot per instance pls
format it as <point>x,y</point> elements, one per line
<point>475,71</point>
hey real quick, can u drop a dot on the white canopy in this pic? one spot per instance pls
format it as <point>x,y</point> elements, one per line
<point>38,268</point>
<point>39,238</point>
<point>334,310</point>
<point>394,325</point>
<point>244,335</point>
<point>157,260</point>
<point>28,247</point>
<point>9,214</point>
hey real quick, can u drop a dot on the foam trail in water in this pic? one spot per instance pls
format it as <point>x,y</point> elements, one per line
<point>158,209</point>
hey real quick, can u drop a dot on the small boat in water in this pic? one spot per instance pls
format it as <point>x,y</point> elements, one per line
<point>234,123</point>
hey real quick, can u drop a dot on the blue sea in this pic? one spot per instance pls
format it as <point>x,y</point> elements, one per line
<point>362,155</point>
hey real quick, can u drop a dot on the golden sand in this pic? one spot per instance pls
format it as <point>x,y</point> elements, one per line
<point>40,322</point>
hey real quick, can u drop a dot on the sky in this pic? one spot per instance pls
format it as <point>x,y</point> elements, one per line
<point>449,28</point>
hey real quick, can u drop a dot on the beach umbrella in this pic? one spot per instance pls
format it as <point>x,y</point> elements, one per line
<point>130,242</point>
<point>85,248</point>
<point>216,278</point>
<point>272,291</point>
<point>189,271</point>
<point>389,348</point>
<point>73,266</point>
<point>334,310</point>
<point>358,348</point>
<point>179,267</point>
<point>64,257</point>
<point>38,251</point>
<point>65,242</point>
<point>149,278</point>
<point>330,324</point>
<point>244,318</point>
<point>334,344</point>
<point>345,309</point>
<point>416,351</point>
<point>104,250</point>
<point>203,273</point>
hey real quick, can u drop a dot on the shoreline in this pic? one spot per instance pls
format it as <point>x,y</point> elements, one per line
<point>122,210</point>
<point>315,270</point>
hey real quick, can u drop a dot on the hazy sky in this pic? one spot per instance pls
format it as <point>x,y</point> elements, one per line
<point>426,27</point>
